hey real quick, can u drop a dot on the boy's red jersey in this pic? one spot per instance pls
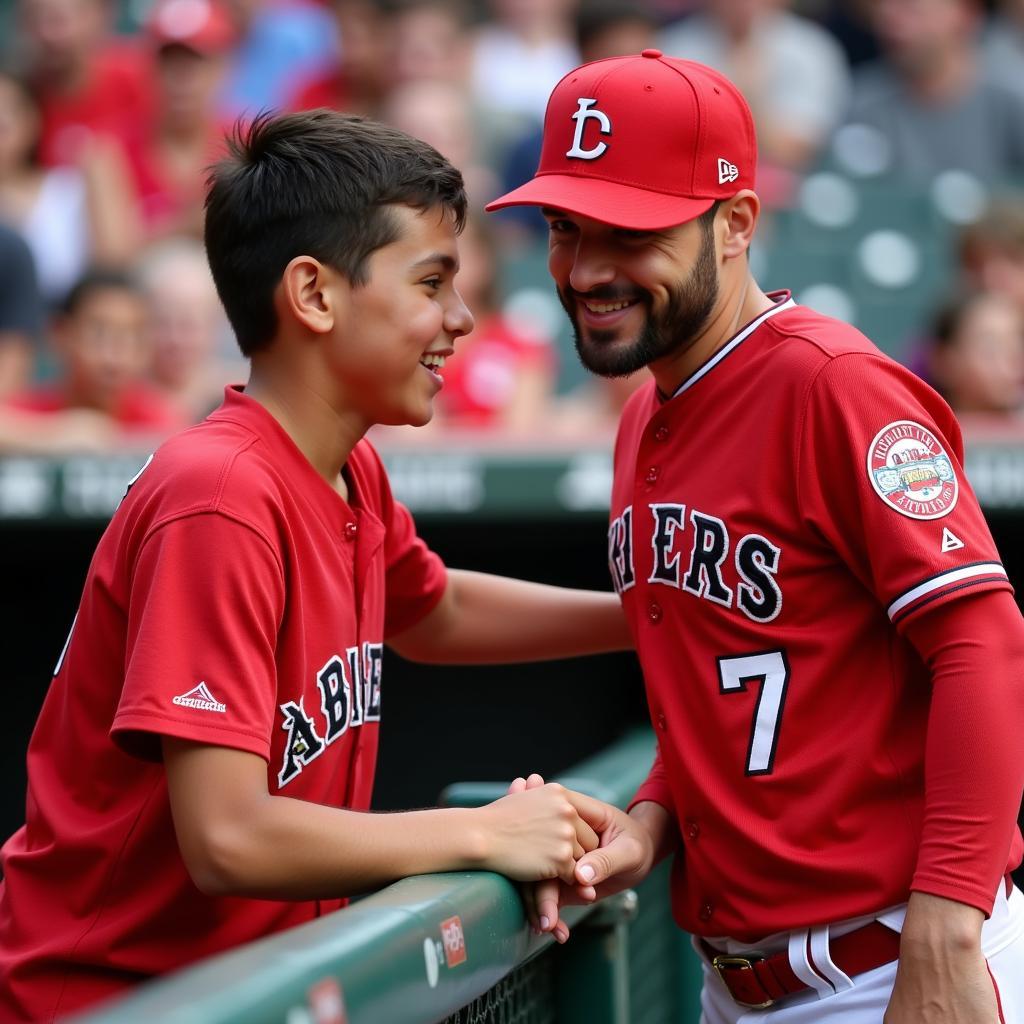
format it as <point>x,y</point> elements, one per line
<point>237,600</point>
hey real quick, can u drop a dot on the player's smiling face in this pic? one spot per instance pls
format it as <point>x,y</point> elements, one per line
<point>402,323</point>
<point>634,297</point>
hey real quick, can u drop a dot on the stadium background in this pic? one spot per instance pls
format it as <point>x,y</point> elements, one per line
<point>848,228</point>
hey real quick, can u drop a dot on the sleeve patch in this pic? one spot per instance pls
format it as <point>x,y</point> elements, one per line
<point>910,471</point>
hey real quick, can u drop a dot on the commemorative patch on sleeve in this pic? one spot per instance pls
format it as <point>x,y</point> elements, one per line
<point>910,470</point>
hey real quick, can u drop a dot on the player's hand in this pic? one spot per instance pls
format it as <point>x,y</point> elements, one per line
<point>546,893</point>
<point>534,834</point>
<point>942,977</point>
<point>623,858</point>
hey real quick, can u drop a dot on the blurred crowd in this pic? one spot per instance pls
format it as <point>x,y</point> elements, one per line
<point>110,329</point>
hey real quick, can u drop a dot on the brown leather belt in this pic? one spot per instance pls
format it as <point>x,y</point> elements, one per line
<point>761,981</point>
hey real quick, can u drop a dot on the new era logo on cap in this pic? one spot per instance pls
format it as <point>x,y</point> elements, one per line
<point>636,142</point>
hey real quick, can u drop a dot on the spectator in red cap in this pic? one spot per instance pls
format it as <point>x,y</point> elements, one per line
<point>830,645</point>
<point>192,39</point>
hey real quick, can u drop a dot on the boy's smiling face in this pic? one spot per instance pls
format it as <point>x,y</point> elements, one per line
<point>402,323</point>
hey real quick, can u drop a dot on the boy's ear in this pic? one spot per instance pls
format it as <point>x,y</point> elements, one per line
<point>311,292</point>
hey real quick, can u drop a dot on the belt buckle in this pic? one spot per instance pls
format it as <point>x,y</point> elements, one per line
<point>740,963</point>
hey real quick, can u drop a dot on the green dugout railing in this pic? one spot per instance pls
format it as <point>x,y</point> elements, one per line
<point>452,947</point>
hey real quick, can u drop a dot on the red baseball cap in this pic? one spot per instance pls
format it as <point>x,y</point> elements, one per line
<point>644,142</point>
<point>200,25</point>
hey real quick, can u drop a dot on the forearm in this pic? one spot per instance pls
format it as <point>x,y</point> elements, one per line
<point>292,850</point>
<point>973,771</point>
<point>942,974</point>
<point>238,839</point>
<point>486,619</point>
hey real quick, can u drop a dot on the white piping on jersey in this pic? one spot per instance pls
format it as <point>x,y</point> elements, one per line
<point>944,580</point>
<point>733,343</point>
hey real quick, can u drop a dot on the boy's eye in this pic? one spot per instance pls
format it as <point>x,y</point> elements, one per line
<point>433,283</point>
<point>560,226</point>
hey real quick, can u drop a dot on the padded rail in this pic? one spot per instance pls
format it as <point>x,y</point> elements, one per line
<point>414,952</point>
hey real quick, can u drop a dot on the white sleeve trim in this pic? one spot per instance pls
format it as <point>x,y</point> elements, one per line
<point>944,580</point>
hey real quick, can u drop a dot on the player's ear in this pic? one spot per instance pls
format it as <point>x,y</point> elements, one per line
<point>310,293</point>
<point>737,220</point>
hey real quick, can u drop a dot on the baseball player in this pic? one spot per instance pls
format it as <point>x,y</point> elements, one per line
<point>211,731</point>
<point>832,653</point>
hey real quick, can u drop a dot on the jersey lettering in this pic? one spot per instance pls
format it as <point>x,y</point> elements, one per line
<point>756,560</point>
<point>349,690</point>
<point>335,697</point>
<point>710,547</point>
<point>758,595</point>
<point>620,551</point>
<point>667,519</point>
<point>303,744</point>
<point>373,662</point>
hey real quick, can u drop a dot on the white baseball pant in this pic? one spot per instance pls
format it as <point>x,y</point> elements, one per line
<point>838,999</point>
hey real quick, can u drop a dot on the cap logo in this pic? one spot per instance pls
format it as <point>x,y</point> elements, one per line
<point>727,171</point>
<point>580,116</point>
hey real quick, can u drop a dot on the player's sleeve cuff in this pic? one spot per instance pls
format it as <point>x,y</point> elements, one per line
<point>960,892</point>
<point>654,791</point>
<point>974,577</point>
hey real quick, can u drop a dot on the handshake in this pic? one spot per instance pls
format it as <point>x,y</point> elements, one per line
<point>568,848</point>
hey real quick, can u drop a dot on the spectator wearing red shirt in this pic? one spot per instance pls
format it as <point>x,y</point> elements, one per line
<point>87,82</point>
<point>103,346</point>
<point>192,40</point>
<point>502,376</point>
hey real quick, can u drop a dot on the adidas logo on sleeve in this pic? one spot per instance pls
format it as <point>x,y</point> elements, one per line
<point>201,698</point>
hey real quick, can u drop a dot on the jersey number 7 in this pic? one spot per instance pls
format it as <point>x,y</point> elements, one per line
<point>771,670</point>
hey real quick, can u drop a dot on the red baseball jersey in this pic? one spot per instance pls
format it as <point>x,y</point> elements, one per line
<point>235,599</point>
<point>774,525</point>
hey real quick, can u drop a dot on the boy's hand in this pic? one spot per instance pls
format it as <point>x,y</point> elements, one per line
<point>535,834</point>
<point>625,855</point>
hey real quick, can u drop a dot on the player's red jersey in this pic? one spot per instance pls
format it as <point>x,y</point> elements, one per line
<point>237,600</point>
<point>774,524</point>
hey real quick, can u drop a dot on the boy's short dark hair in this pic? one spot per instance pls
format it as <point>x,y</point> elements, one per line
<point>99,279</point>
<point>316,183</point>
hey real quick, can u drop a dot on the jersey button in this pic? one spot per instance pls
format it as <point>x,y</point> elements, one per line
<point>692,829</point>
<point>652,475</point>
<point>661,434</point>
<point>654,612</point>
<point>662,722</point>
<point>705,912</point>
<point>351,531</point>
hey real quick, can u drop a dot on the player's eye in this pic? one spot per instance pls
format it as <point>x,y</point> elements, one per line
<point>433,283</point>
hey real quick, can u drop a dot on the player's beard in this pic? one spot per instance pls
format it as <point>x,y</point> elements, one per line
<point>690,304</point>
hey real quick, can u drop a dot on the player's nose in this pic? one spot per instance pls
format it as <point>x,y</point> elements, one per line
<point>591,267</point>
<point>458,320</point>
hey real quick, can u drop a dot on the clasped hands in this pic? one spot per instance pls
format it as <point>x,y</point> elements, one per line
<point>585,850</point>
